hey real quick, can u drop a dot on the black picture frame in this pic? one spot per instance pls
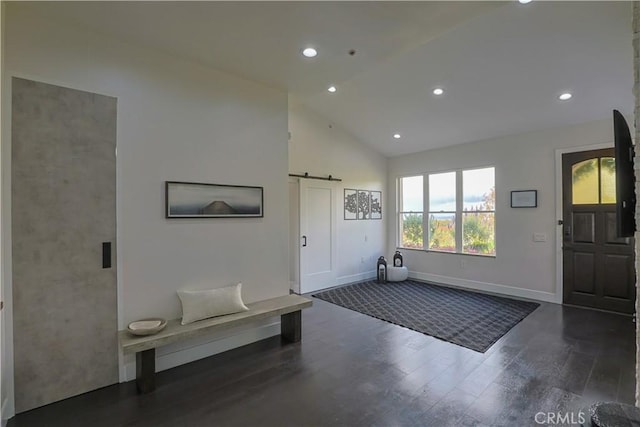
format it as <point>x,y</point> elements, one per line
<point>363,204</point>
<point>375,205</point>
<point>205,200</point>
<point>350,204</point>
<point>524,199</point>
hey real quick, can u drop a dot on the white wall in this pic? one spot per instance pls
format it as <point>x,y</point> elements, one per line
<point>526,161</point>
<point>321,148</point>
<point>181,121</point>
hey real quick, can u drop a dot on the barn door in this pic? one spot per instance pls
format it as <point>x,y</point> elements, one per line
<point>317,235</point>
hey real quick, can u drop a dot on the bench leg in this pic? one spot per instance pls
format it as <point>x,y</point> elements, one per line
<point>291,326</point>
<point>146,370</point>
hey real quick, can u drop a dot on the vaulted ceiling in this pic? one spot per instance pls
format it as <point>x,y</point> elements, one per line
<point>502,65</point>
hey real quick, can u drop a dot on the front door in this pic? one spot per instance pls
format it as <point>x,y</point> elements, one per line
<point>598,267</point>
<point>317,235</point>
<point>63,173</point>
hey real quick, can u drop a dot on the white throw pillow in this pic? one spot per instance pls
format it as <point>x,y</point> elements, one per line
<point>198,305</point>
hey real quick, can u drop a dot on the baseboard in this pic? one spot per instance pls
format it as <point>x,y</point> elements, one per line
<point>171,356</point>
<point>4,418</point>
<point>485,287</point>
<point>352,278</point>
<point>294,286</point>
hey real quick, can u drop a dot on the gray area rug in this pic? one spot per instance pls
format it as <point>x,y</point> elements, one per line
<point>470,319</point>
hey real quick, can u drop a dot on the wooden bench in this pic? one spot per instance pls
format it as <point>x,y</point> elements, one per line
<point>289,307</point>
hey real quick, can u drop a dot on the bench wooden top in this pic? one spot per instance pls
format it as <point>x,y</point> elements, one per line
<point>174,331</point>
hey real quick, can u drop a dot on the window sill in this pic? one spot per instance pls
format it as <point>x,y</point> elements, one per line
<point>445,252</point>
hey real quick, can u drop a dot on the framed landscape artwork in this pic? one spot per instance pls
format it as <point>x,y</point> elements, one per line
<point>524,199</point>
<point>197,200</point>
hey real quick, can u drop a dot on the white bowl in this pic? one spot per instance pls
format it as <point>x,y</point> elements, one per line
<point>146,326</point>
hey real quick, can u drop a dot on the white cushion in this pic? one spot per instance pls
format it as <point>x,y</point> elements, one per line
<point>198,305</point>
<point>397,274</point>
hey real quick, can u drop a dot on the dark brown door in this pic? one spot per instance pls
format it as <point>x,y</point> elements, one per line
<point>598,267</point>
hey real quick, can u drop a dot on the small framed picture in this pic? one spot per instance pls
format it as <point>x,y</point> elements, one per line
<point>524,199</point>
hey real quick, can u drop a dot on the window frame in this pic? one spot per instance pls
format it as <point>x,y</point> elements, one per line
<point>459,212</point>
<point>598,171</point>
<point>463,212</point>
<point>402,212</point>
<point>455,213</point>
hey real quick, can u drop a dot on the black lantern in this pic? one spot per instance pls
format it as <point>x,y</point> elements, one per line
<point>397,259</point>
<point>382,270</point>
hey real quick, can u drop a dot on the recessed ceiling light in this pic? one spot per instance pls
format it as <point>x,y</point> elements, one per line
<point>309,52</point>
<point>332,89</point>
<point>438,91</point>
<point>524,1</point>
<point>565,96</point>
<point>396,135</point>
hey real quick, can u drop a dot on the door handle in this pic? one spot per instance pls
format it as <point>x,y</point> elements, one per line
<point>304,245</point>
<point>106,254</point>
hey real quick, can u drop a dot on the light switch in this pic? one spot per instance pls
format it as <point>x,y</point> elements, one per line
<point>539,237</point>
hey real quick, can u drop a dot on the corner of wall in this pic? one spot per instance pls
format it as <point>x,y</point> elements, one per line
<point>321,147</point>
<point>636,91</point>
<point>4,409</point>
<point>6,325</point>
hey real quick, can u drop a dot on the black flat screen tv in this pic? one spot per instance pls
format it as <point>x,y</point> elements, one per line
<point>625,178</point>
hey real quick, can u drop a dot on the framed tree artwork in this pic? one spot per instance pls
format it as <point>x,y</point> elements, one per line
<point>363,204</point>
<point>375,204</point>
<point>350,204</point>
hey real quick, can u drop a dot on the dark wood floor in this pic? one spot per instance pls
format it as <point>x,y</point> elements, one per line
<point>354,370</point>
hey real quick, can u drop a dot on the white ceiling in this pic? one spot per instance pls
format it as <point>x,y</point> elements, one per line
<point>502,73</point>
<point>502,64</point>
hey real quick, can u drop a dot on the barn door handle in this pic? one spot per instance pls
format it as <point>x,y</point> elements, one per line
<point>304,245</point>
<point>106,254</point>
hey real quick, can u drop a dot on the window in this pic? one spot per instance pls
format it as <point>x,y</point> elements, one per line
<point>460,210</point>
<point>478,211</point>
<point>411,211</point>
<point>442,212</point>
<point>594,181</point>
